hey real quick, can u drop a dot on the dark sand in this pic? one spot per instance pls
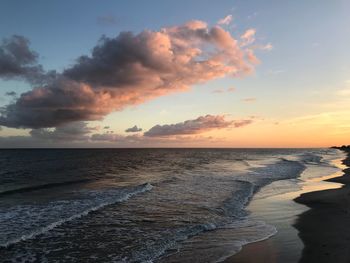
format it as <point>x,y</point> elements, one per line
<point>324,228</point>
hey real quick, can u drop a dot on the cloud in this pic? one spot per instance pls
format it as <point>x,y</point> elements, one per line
<point>232,89</point>
<point>242,123</point>
<point>133,129</point>
<point>18,61</point>
<point>248,37</point>
<point>145,141</point>
<point>109,140</point>
<point>251,57</point>
<point>267,47</point>
<point>249,100</point>
<point>218,91</point>
<point>110,137</point>
<point>11,93</point>
<point>77,131</point>
<point>126,70</point>
<point>199,125</point>
<point>106,127</point>
<point>226,20</point>
<point>79,134</point>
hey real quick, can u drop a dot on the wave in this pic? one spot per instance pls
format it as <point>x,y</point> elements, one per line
<point>197,203</point>
<point>27,216</point>
<point>221,243</point>
<point>231,213</point>
<point>234,216</point>
<point>43,186</point>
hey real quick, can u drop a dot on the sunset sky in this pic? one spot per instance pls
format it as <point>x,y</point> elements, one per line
<point>174,73</point>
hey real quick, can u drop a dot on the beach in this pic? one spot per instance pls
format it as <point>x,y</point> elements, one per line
<point>323,228</point>
<point>310,222</point>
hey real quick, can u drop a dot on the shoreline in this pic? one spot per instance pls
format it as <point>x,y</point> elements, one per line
<point>297,216</point>
<point>323,228</point>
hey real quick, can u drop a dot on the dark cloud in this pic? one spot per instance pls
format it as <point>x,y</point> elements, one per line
<point>242,123</point>
<point>107,137</point>
<point>106,127</point>
<point>11,93</point>
<point>17,60</point>
<point>105,140</point>
<point>133,129</point>
<point>79,134</point>
<point>77,131</point>
<point>53,105</point>
<point>76,134</point>
<point>201,124</point>
<point>144,141</point>
<point>122,71</point>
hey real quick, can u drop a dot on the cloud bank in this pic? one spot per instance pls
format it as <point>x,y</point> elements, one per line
<point>128,69</point>
<point>78,131</point>
<point>80,134</point>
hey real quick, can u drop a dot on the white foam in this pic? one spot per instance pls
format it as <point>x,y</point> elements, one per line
<point>124,196</point>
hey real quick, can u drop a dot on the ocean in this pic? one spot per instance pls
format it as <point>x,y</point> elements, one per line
<point>141,205</point>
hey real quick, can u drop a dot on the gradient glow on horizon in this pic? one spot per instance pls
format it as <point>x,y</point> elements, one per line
<point>297,95</point>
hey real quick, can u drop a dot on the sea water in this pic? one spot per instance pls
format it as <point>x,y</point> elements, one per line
<point>139,205</point>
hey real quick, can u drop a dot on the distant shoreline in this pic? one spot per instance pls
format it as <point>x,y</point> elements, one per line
<point>324,228</point>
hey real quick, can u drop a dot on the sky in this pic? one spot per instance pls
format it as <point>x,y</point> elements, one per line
<point>174,73</point>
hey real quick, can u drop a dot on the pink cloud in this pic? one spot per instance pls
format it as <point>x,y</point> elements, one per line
<point>242,123</point>
<point>226,20</point>
<point>248,36</point>
<point>196,126</point>
<point>131,69</point>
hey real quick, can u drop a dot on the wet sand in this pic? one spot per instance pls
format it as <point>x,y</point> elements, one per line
<point>313,224</point>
